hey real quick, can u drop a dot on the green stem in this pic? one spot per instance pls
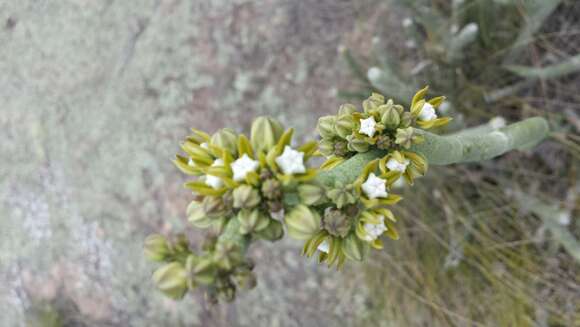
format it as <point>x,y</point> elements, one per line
<point>450,149</point>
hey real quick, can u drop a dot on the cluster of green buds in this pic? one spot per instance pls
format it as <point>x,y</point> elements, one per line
<point>251,181</point>
<point>345,221</point>
<point>381,125</point>
<point>244,179</point>
<point>256,188</point>
<point>350,220</point>
<point>221,269</point>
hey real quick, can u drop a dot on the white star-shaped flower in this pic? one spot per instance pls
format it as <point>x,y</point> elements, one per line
<point>291,161</point>
<point>324,246</point>
<point>375,187</point>
<point>373,231</point>
<point>214,181</point>
<point>367,126</point>
<point>191,163</point>
<point>427,112</point>
<point>242,166</point>
<point>395,165</point>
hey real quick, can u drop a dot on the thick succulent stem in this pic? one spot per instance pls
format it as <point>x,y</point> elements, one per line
<point>470,147</point>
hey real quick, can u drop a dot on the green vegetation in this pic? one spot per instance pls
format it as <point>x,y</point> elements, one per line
<point>493,243</point>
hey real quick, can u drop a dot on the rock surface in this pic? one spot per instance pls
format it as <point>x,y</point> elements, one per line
<point>94,99</point>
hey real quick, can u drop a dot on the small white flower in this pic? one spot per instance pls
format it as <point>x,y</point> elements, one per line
<point>214,181</point>
<point>191,163</point>
<point>427,112</point>
<point>367,126</point>
<point>373,231</point>
<point>204,145</point>
<point>324,247</point>
<point>291,161</point>
<point>242,166</point>
<point>375,187</point>
<point>395,165</point>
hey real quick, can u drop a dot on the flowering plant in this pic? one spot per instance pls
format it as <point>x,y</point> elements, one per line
<point>261,187</point>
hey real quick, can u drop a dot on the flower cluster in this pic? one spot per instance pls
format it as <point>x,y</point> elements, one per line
<point>249,180</point>
<point>353,217</point>
<point>221,269</point>
<point>382,125</point>
<point>244,179</point>
<point>253,188</point>
<point>350,221</point>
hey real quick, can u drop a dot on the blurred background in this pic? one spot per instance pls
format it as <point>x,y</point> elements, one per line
<point>95,96</point>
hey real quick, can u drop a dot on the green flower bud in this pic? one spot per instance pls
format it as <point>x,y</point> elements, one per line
<point>391,118</point>
<point>326,126</point>
<point>156,248</point>
<point>265,133</point>
<point>342,195</point>
<point>227,255</point>
<point>326,147</point>
<point>204,271</point>
<point>373,102</point>
<point>252,221</point>
<point>246,197</point>
<point>344,125</point>
<point>273,232</point>
<point>302,222</point>
<point>311,194</point>
<point>346,109</point>
<point>196,215</point>
<point>355,248</point>
<point>227,139</point>
<point>358,145</point>
<point>405,137</point>
<point>406,119</point>
<point>171,279</point>
<point>215,206</point>
<point>272,189</point>
<point>336,222</point>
